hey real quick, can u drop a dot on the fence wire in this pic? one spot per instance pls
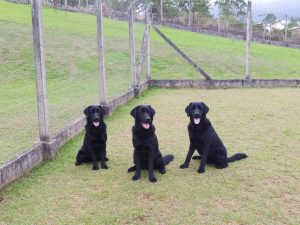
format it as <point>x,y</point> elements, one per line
<point>70,39</point>
<point>18,110</point>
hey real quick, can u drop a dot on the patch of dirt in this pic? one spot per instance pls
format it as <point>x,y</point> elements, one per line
<point>136,220</point>
<point>145,197</point>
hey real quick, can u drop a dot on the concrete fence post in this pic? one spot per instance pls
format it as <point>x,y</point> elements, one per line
<point>219,19</point>
<point>190,14</point>
<point>161,10</point>
<point>148,43</point>
<point>100,48</point>
<point>248,38</point>
<point>132,47</point>
<point>40,70</point>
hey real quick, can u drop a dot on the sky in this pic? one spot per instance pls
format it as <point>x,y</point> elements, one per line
<point>279,7</point>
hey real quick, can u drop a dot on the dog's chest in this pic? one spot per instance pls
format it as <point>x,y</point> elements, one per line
<point>142,146</point>
<point>197,137</point>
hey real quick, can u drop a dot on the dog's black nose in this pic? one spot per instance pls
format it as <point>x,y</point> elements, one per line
<point>97,119</point>
<point>147,118</point>
<point>197,114</point>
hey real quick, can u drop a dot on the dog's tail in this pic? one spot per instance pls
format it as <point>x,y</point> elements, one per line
<point>168,159</point>
<point>237,156</point>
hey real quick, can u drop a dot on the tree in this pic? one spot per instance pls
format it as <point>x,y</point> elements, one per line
<point>231,9</point>
<point>270,18</point>
<point>197,6</point>
<point>295,21</point>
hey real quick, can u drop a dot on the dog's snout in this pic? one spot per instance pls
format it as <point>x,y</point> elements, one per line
<point>147,118</point>
<point>197,113</point>
<point>96,117</point>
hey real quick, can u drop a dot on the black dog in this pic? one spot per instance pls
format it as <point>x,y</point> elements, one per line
<point>94,143</point>
<point>146,152</point>
<point>205,140</point>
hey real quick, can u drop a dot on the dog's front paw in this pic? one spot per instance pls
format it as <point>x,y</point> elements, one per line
<point>201,170</point>
<point>183,166</point>
<point>163,171</point>
<point>136,177</point>
<point>152,179</point>
<point>77,163</point>
<point>105,167</point>
<point>95,168</point>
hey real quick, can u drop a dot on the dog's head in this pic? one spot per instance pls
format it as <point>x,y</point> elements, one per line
<point>196,111</point>
<point>94,115</point>
<point>143,115</point>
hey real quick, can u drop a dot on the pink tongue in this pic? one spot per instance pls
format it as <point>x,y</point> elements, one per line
<point>146,125</point>
<point>197,120</point>
<point>96,124</point>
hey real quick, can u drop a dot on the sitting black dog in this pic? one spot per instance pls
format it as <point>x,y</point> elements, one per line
<point>94,143</point>
<point>205,140</point>
<point>146,152</point>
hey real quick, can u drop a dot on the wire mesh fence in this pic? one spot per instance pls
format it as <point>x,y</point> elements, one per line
<point>18,110</point>
<point>273,20</point>
<point>70,43</point>
<point>71,61</point>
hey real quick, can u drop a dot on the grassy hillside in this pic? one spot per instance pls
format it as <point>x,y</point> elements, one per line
<point>262,189</point>
<point>72,71</point>
<point>224,58</point>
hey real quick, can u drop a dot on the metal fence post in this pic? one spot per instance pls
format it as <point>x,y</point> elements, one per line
<point>285,29</point>
<point>100,48</point>
<point>248,39</point>
<point>40,70</point>
<point>132,47</point>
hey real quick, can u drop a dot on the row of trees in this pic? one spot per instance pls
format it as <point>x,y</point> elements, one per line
<point>229,10</point>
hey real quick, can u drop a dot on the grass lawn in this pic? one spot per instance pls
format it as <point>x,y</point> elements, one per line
<point>71,64</point>
<point>262,189</point>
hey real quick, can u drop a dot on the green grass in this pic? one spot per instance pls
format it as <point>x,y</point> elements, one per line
<point>262,189</point>
<point>72,71</point>
<point>224,58</point>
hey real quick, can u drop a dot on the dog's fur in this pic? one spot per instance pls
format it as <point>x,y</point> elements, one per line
<point>146,151</point>
<point>94,143</point>
<point>205,140</point>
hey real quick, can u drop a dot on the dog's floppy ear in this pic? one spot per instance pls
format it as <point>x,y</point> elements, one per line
<point>86,111</point>
<point>152,111</point>
<point>187,109</point>
<point>133,111</point>
<point>206,109</point>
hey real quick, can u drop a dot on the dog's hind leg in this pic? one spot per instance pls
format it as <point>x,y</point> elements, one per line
<point>160,165</point>
<point>81,158</point>
<point>132,169</point>
<point>221,162</point>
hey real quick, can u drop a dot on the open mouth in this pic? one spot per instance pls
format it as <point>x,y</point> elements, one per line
<point>197,120</point>
<point>96,124</point>
<point>146,125</point>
